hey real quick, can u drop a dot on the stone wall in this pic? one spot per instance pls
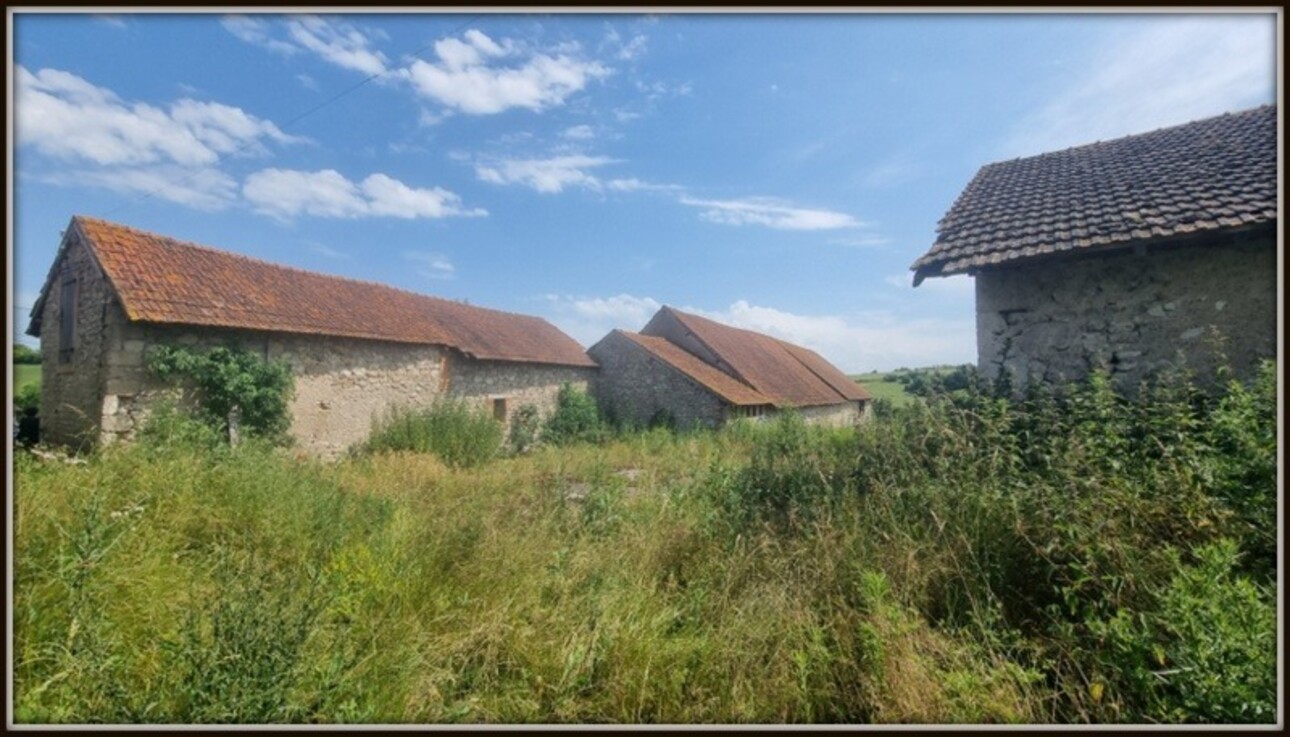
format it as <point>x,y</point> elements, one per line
<point>341,384</point>
<point>1129,312</point>
<point>515,384</point>
<point>845,414</point>
<point>633,385</point>
<point>70,393</point>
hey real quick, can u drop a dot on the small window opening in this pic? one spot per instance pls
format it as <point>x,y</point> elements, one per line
<point>499,409</point>
<point>67,321</point>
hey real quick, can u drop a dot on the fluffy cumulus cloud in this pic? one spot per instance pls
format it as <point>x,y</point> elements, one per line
<point>875,340</point>
<point>548,175</point>
<point>287,193</point>
<point>588,319</point>
<point>338,43</point>
<point>1172,71</point>
<point>102,140</point>
<point>65,116</point>
<point>203,188</point>
<point>771,213</point>
<point>258,32</point>
<point>476,75</point>
<point>334,41</point>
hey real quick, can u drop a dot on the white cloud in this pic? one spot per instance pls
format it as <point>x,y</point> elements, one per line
<point>431,265</point>
<point>863,241</point>
<point>1174,70</point>
<point>771,213</point>
<point>588,319</point>
<point>323,249</point>
<point>579,133</point>
<point>256,31</point>
<point>115,21</point>
<point>471,76</point>
<point>544,175</point>
<point>878,340</point>
<point>202,189</point>
<point>337,42</point>
<point>636,185</point>
<point>334,41</point>
<point>63,115</point>
<point>870,341</point>
<point>286,193</point>
<point>307,81</point>
<point>959,287</point>
<point>626,51</point>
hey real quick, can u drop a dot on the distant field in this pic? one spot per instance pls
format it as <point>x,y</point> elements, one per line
<point>25,373</point>
<point>880,388</point>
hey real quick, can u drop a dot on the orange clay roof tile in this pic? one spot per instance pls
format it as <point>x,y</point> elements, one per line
<point>788,375</point>
<point>727,387</point>
<point>164,280</point>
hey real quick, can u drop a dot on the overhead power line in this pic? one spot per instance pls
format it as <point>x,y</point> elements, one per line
<point>284,126</point>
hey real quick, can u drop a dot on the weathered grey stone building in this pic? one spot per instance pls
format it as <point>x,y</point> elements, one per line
<point>701,372</point>
<point>355,348</point>
<point>1123,254</point>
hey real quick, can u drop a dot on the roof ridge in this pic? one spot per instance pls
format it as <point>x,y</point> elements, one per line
<point>1119,139</point>
<point>278,265</point>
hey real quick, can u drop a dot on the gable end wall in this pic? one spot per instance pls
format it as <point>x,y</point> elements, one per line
<point>1130,313</point>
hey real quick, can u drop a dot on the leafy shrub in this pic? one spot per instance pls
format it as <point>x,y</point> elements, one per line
<point>169,428</point>
<point>576,419</point>
<point>27,398</point>
<point>25,354</point>
<point>793,469</point>
<point>457,433</point>
<point>525,426</point>
<point>232,379</point>
<point>1206,652</point>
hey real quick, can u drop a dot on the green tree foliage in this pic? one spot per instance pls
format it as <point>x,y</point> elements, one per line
<point>231,379</point>
<point>27,398</point>
<point>576,419</point>
<point>25,354</point>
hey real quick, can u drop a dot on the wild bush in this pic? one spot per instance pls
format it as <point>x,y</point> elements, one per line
<point>458,433</point>
<point>27,398</point>
<point>576,419</point>
<point>525,426</point>
<point>231,380</point>
<point>25,354</point>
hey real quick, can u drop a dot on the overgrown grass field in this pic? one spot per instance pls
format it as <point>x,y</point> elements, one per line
<point>880,387</point>
<point>24,374</point>
<point>1074,557</point>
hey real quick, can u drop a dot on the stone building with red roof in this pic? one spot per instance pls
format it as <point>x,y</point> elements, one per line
<point>696,371</point>
<point>1123,255</point>
<point>355,348</point>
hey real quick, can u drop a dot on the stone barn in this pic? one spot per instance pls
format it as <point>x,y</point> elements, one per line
<point>700,372</point>
<point>1122,254</point>
<point>355,348</point>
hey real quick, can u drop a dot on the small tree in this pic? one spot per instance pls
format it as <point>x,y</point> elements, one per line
<point>236,388</point>
<point>25,354</point>
<point>576,419</point>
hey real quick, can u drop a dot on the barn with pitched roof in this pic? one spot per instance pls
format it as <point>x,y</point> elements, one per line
<point>1122,254</point>
<point>699,372</point>
<point>355,348</point>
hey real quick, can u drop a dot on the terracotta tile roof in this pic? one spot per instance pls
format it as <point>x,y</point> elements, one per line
<point>722,384</point>
<point>784,373</point>
<point>845,385</point>
<point>1208,175</point>
<point>163,280</point>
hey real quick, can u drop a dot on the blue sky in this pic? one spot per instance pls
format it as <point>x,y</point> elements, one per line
<point>774,172</point>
